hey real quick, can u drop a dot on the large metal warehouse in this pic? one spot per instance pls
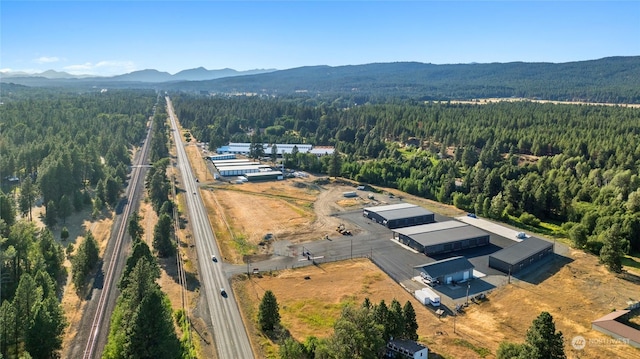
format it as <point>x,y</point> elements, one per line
<point>239,170</point>
<point>231,164</point>
<point>399,215</point>
<point>228,156</point>
<point>454,269</point>
<point>520,255</point>
<point>442,237</point>
<point>264,176</point>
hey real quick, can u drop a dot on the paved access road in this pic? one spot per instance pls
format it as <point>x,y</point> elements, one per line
<point>229,332</point>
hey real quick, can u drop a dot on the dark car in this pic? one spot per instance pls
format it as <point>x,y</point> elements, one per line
<point>223,292</point>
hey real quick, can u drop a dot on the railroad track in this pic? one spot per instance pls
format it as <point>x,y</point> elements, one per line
<point>110,276</point>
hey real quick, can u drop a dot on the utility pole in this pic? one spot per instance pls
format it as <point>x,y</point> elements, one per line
<point>468,286</point>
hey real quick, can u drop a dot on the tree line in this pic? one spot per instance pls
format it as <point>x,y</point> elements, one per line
<point>359,332</point>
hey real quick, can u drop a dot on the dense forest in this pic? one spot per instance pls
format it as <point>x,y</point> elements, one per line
<point>568,170</point>
<point>65,151</point>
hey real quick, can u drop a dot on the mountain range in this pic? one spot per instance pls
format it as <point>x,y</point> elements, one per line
<point>148,75</point>
<point>611,79</point>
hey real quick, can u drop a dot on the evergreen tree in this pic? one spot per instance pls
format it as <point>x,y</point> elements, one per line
<point>28,193</point>
<point>614,248</point>
<point>268,312</point>
<point>44,337</point>
<point>162,236</point>
<point>335,164</point>
<point>152,334</point>
<point>134,228</point>
<point>410,322</point>
<point>542,341</point>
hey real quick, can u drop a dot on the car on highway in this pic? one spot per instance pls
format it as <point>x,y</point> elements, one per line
<point>213,258</point>
<point>223,292</point>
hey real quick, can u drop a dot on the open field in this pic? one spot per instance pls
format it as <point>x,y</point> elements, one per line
<point>574,295</point>
<point>484,101</point>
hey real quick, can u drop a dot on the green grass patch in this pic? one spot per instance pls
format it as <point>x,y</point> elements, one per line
<point>242,245</point>
<point>631,261</point>
<point>483,352</point>
<point>316,314</point>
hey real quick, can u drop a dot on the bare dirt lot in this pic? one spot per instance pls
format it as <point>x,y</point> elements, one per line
<point>575,293</point>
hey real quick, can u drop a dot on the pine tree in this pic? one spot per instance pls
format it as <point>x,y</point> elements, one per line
<point>614,248</point>
<point>268,314</point>
<point>542,341</point>
<point>134,228</point>
<point>410,323</point>
<point>162,233</point>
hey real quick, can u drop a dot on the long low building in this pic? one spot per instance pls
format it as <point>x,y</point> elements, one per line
<point>264,176</point>
<point>399,215</point>
<point>219,164</point>
<point>240,170</point>
<point>441,237</point>
<point>520,255</point>
<point>227,156</point>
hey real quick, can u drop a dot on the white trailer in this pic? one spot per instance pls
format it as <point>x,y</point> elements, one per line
<point>427,296</point>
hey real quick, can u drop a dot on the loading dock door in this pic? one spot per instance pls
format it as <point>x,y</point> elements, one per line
<point>465,275</point>
<point>449,279</point>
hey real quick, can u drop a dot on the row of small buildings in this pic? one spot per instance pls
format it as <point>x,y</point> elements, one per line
<point>227,166</point>
<point>415,227</point>
<point>242,148</point>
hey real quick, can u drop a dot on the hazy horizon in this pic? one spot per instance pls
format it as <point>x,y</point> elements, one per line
<point>107,38</point>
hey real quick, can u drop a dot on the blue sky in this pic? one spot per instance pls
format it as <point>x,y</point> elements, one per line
<point>115,37</point>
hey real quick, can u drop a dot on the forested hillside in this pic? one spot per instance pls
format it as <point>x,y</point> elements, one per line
<point>613,79</point>
<point>573,167</point>
<point>67,151</point>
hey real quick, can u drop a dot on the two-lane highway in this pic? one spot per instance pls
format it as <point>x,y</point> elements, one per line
<point>229,332</point>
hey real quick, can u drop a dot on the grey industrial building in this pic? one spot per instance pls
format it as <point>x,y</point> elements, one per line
<point>520,255</point>
<point>228,156</point>
<point>442,237</point>
<point>264,176</point>
<point>399,215</point>
<point>454,269</point>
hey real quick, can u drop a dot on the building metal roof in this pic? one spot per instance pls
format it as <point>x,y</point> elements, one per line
<point>610,324</point>
<point>398,211</point>
<point>448,235</point>
<point>389,207</point>
<point>234,164</point>
<point>263,174</point>
<point>431,227</point>
<point>521,250</point>
<point>406,345</point>
<point>446,266</point>
<point>241,168</point>
<point>237,160</point>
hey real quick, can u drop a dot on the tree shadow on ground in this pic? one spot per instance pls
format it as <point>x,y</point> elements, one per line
<point>170,267</point>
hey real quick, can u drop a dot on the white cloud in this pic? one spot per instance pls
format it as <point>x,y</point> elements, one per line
<point>101,68</point>
<point>46,59</point>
